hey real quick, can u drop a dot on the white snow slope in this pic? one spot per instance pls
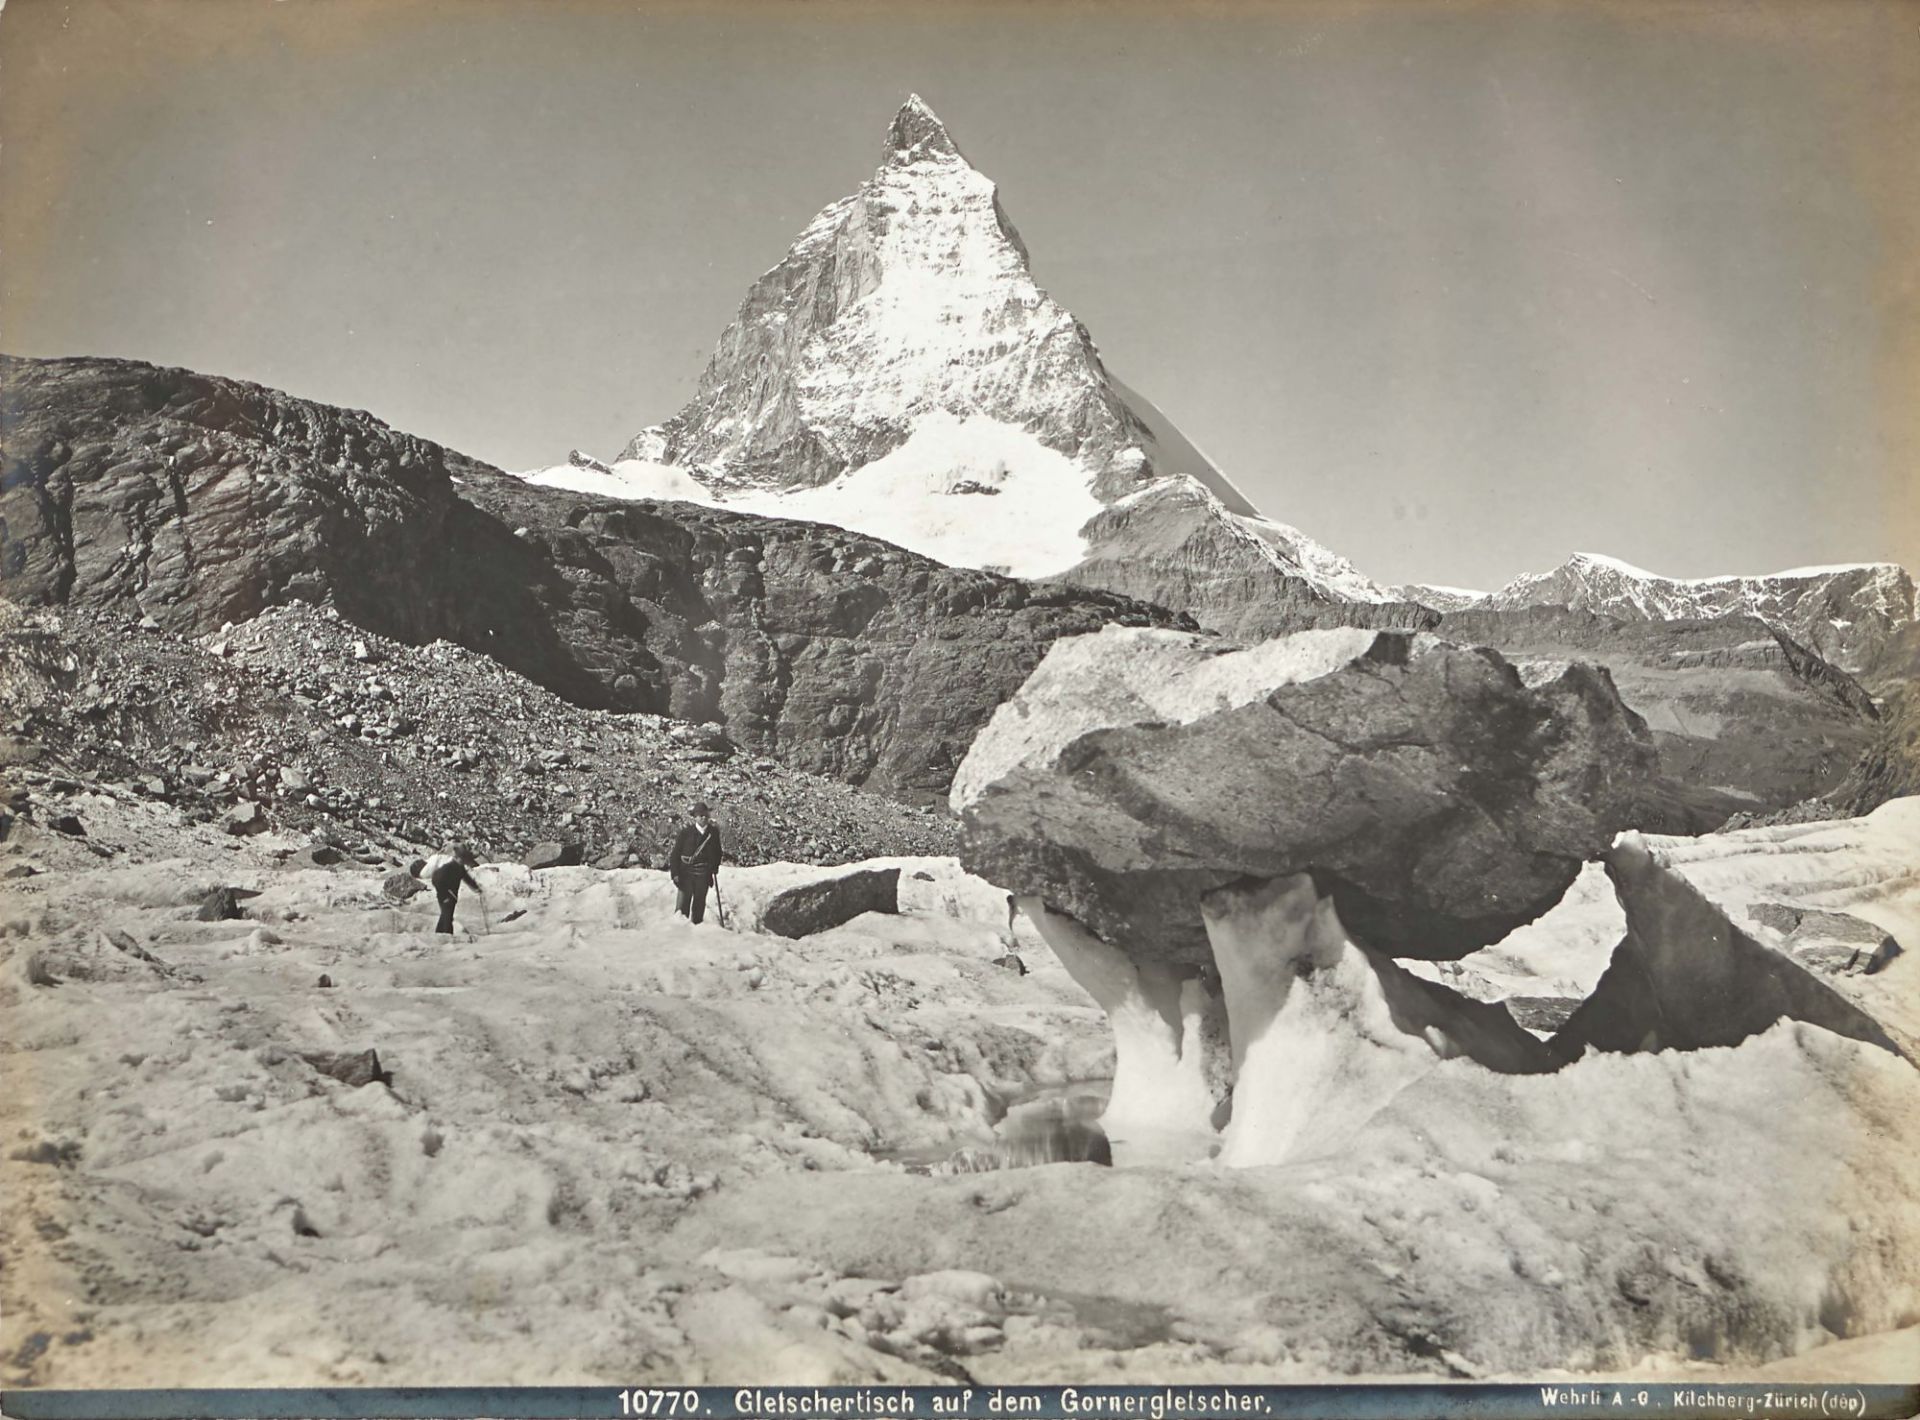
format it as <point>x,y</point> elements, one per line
<point>967,491</point>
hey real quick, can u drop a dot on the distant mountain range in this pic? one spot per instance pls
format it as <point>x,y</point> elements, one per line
<point>1846,613</point>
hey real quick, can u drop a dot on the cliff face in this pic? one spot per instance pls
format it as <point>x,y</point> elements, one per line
<point>200,501</point>
<point>1740,711</point>
<point>837,653</point>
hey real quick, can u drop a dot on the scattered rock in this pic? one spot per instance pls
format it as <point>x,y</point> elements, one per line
<point>244,817</point>
<point>35,968</point>
<point>63,1153</point>
<point>401,886</point>
<point>1543,1015</point>
<point>349,1068</point>
<point>553,855</point>
<point>68,824</point>
<point>221,904</point>
<point>326,982</point>
<point>124,942</point>
<point>614,857</point>
<point>1012,962</point>
<point>319,855</point>
<point>1837,943</point>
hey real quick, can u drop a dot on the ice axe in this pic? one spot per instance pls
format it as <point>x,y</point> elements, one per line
<point>719,904</point>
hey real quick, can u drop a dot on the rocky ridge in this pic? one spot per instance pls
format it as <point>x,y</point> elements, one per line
<point>195,501</point>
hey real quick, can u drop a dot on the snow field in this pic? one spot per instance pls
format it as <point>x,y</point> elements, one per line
<point>967,491</point>
<point>617,1145</point>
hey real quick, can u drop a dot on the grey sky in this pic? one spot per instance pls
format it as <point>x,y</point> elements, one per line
<point>1456,288</point>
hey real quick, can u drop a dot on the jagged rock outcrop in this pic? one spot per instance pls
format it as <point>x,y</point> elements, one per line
<point>1844,614</point>
<point>196,501</point>
<point>1685,977</point>
<point>1227,846</point>
<point>1742,713</point>
<point>1890,766</point>
<point>1837,943</point>
<point>899,371</point>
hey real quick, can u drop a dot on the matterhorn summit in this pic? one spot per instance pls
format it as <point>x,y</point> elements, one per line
<point>900,373</point>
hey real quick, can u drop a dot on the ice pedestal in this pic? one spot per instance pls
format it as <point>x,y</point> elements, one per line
<point>1325,1032</point>
<point>1310,1033</point>
<point>1166,1032</point>
<point>1316,1049</point>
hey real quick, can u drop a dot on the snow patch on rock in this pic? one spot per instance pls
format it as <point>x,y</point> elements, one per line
<point>628,478</point>
<point>969,491</point>
<point>1120,674</point>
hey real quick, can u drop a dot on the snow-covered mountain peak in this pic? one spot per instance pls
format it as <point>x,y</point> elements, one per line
<point>901,373</point>
<point>916,134</point>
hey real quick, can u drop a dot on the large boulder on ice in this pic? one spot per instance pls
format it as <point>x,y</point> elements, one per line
<point>1437,797</point>
<point>1834,942</point>
<point>829,902</point>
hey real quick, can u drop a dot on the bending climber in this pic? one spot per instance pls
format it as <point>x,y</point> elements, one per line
<point>446,870</point>
<point>695,863</point>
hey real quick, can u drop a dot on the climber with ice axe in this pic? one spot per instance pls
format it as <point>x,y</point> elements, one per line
<point>694,865</point>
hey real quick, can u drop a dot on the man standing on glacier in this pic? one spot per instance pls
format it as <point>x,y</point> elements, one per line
<point>695,862</point>
<point>445,871</point>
